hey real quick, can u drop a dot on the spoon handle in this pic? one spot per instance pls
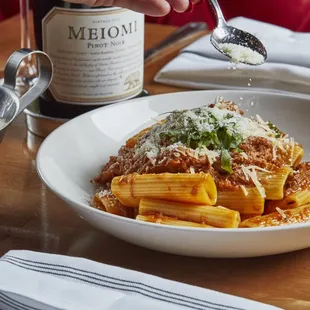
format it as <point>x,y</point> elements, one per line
<point>220,17</point>
<point>45,74</point>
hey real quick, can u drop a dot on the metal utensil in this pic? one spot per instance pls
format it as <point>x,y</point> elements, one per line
<point>236,44</point>
<point>180,34</point>
<point>10,104</point>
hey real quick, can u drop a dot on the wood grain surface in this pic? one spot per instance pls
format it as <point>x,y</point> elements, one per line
<point>33,218</point>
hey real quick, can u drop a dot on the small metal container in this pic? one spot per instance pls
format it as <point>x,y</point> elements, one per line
<point>39,124</point>
<point>42,125</point>
<point>11,105</point>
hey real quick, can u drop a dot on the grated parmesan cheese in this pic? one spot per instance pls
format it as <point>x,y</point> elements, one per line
<point>244,190</point>
<point>244,155</point>
<point>292,145</point>
<point>250,173</point>
<point>104,193</point>
<point>260,120</point>
<point>281,212</point>
<point>245,172</point>
<point>258,168</point>
<point>274,152</point>
<point>151,155</point>
<point>211,155</point>
<point>239,53</point>
<point>192,170</point>
<point>205,121</point>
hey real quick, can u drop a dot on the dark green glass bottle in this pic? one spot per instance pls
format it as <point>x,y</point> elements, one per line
<point>97,55</point>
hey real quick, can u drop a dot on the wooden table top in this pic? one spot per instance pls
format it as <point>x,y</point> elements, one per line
<point>33,218</point>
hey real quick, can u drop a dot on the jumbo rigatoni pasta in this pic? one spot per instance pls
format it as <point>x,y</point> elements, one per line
<point>191,188</point>
<point>166,220</point>
<point>209,165</point>
<point>279,218</point>
<point>203,214</point>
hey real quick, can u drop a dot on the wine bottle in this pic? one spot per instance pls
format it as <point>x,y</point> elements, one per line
<point>97,54</point>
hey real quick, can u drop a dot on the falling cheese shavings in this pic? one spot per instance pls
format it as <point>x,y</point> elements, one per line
<point>192,170</point>
<point>244,190</point>
<point>256,182</point>
<point>245,172</point>
<point>292,145</point>
<point>210,132</point>
<point>244,155</point>
<point>151,155</point>
<point>211,155</point>
<point>274,152</point>
<point>250,173</point>
<point>260,120</point>
<point>156,120</point>
<point>281,212</point>
<point>258,168</point>
<point>196,153</point>
<point>104,193</point>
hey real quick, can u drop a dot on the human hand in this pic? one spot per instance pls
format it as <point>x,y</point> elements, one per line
<point>148,7</point>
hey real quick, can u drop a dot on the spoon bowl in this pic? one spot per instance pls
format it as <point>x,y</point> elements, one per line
<point>238,45</point>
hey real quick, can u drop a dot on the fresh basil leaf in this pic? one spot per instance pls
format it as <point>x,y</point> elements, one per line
<point>225,161</point>
<point>225,138</point>
<point>236,141</point>
<point>275,129</point>
<point>220,138</point>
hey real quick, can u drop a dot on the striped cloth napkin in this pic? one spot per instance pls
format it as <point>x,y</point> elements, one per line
<point>38,281</point>
<point>287,69</point>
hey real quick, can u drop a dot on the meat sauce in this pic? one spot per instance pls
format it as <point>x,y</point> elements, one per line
<point>259,152</point>
<point>254,151</point>
<point>300,180</point>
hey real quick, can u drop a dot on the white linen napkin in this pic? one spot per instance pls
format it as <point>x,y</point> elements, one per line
<point>287,69</point>
<point>38,281</point>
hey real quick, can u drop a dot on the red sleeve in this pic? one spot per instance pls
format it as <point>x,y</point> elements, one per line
<point>294,15</point>
<point>8,8</point>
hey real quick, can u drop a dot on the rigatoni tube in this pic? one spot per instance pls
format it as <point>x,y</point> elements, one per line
<point>280,217</point>
<point>210,215</point>
<point>165,220</point>
<point>245,200</point>
<point>297,155</point>
<point>274,182</point>
<point>111,204</point>
<point>197,188</point>
<point>291,201</point>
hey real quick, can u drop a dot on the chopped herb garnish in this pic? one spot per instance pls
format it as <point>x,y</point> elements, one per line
<point>275,129</point>
<point>204,129</point>
<point>209,131</point>
<point>225,161</point>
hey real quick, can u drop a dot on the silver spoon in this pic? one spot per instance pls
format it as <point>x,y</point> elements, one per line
<point>236,44</point>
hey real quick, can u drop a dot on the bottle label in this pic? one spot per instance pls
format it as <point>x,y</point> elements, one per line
<point>98,54</point>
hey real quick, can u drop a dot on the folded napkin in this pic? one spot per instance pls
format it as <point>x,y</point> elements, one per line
<point>287,69</point>
<point>33,281</point>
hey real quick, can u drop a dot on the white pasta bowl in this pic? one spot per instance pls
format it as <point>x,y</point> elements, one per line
<point>75,153</point>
